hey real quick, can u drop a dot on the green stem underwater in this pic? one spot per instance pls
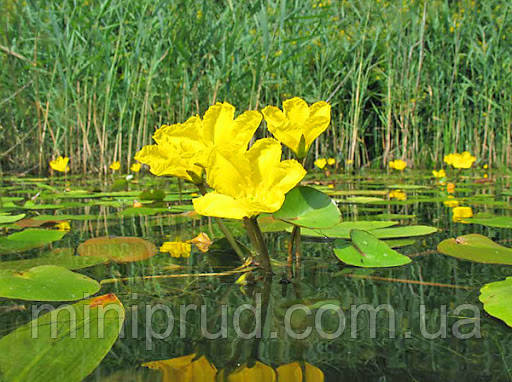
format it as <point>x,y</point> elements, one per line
<point>258,242</point>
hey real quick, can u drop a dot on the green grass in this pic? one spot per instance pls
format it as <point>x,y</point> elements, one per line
<point>93,79</point>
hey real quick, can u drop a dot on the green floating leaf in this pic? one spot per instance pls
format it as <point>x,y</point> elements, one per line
<point>494,221</point>
<point>404,231</point>
<point>342,230</point>
<point>143,211</point>
<point>308,207</point>
<point>59,256</point>
<point>478,248</point>
<point>367,251</point>
<point>362,200</point>
<point>119,249</point>
<point>497,299</point>
<point>398,243</point>
<point>66,344</point>
<point>46,283</point>
<point>29,239</point>
<point>5,219</point>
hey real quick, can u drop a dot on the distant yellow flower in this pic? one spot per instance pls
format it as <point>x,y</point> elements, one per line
<point>451,202</point>
<point>320,163</point>
<point>183,149</point>
<point>63,226</point>
<point>248,184</point>
<point>298,125</point>
<point>398,195</point>
<point>486,176</point>
<point>293,372</point>
<point>185,369</point>
<point>202,242</point>
<point>115,166</point>
<point>176,248</point>
<point>60,164</point>
<point>398,164</point>
<point>349,162</point>
<point>461,213</point>
<point>464,160</point>
<point>450,188</point>
<point>259,372</point>
<point>485,166</point>
<point>136,204</point>
<point>135,167</point>
<point>330,185</point>
<point>331,161</point>
<point>439,174</point>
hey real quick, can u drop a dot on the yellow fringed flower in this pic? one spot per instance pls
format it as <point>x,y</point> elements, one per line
<point>248,184</point>
<point>461,213</point>
<point>439,174</point>
<point>176,248</point>
<point>185,369</point>
<point>183,149</point>
<point>398,164</point>
<point>464,160</point>
<point>398,195</point>
<point>60,164</point>
<point>298,124</point>
<point>63,226</point>
<point>293,372</point>
<point>135,167</point>
<point>115,166</point>
<point>259,372</point>
<point>320,163</point>
<point>451,202</point>
<point>331,161</point>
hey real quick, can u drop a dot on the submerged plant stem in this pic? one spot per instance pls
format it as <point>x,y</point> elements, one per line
<point>258,242</point>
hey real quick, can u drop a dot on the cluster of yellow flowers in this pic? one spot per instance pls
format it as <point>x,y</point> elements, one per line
<point>398,164</point>
<point>322,162</point>
<point>197,368</point>
<point>464,160</point>
<point>214,149</point>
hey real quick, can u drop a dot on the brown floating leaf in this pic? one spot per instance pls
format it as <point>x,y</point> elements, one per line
<point>119,249</point>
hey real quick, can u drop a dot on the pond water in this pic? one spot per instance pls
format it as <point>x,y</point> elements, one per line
<point>429,324</point>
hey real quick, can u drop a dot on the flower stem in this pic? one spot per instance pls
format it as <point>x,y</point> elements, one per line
<point>257,240</point>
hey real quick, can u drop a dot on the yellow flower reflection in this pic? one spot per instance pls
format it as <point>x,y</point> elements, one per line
<point>188,368</point>
<point>439,174</point>
<point>398,164</point>
<point>464,160</point>
<point>60,164</point>
<point>461,213</point>
<point>250,183</point>
<point>398,195</point>
<point>293,372</point>
<point>298,125</point>
<point>259,372</point>
<point>115,166</point>
<point>183,149</point>
<point>135,167</point>
<point>320,163</point>
<point>176,248</point>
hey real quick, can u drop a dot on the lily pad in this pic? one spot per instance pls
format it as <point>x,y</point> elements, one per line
<point>478,248</point>
<point>367,251</point>
<point>404,231</point>
<point>497,299</point>
<point>5,219</point>
<point>308,207</point>
<point>64,345</point>
<point>342,230</point>
<point>494,221</point>
<point>119,249</point>
<point>29,239</point>
<point>46,283</point>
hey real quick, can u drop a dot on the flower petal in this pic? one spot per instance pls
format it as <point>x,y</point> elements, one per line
<point>281,128</point>
<point>264,155</point>
<point>220,205</point>
<point>218,123</point>
<point>228,172</point>
<point>296,110</point>
<point>318,121</point>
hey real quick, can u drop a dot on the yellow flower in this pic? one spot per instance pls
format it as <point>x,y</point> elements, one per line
<point>115,166</point>
<point>60,164</point>
<point>63,226</point>
<point>259,372</point>
<point>398,195</point>
<point>451,202</point>
<point>450,188</point>
<point>293,372</point>
<point>202,242</point>
<point>485,166</point>
<point>461,213</point>
<point>331,161</point>
<point>349,162</point>
<point>135,167</point>
<point>298,125</point>
<point>464,160</point>
<point>330,185</point>
<point>320,163</point>
<point>185,369</point>
<point>249,183</point>
<point>439,174</point>
<point>183,149</point>
<point>398,164</point>
<point>176,248</point>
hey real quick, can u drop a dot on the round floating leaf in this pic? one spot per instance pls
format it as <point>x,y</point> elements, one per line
<point>66,344</point>
<point>308,207</point>
<point>404,231</point>
<point>29,239</point>
<point>494,221</point>
<point>46,283</point>
<point>118,249</point>
<point>478,248</point>
<point>342,230</point>
<point>497,299</point>
<point>4,218</point>
<point>59,256</point>
<point>143,211</point>
<point>368,251</point>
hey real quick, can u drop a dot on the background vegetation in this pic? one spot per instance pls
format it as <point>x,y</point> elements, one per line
<point>410,79</point>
